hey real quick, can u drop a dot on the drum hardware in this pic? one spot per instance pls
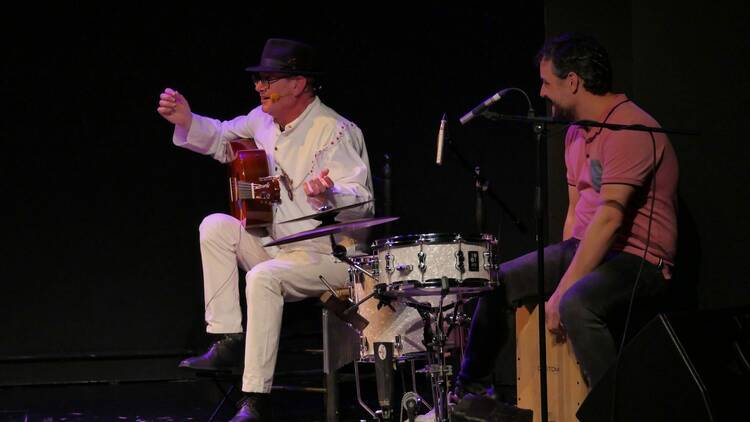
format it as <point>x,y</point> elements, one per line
<point>387,414</point>
<point>488,261</point>
<point>384,369</point>
<point>404,268</point>
<point>438,286</point>
<point>436,368</point>
<point>409,398</point>
<point>380,293</point>
<point>410,402</point>
<point>460,262</point>
<point>421,256</point>
<point>397,345</point>
<point>388,263</point>
<point>451,255</point>
<point>340,307</point>
<point>460,319</point>
<point>325,282</point>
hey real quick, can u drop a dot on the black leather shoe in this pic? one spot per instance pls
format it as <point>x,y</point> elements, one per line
<point>254,407</point>
<point>225,354</point>
<point>463,387</point>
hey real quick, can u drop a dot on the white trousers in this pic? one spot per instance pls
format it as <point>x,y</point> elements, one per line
<point>273,277</point>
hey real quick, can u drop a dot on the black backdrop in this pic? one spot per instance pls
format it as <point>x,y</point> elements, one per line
<point>687,65</point>
<point>101,211</point>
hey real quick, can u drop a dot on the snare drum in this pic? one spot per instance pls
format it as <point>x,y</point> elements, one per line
<point>401,325</point>
<point>417,264</point>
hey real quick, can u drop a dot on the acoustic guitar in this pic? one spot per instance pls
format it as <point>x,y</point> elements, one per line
<point>252,192</point>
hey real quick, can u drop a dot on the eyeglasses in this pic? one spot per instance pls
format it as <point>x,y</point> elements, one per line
<point>266,81</point>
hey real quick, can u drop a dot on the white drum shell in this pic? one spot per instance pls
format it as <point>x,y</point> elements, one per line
<point>417,264</point>
<point>401,325</point>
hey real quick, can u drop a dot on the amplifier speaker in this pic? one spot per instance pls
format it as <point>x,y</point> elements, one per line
<point>679,367</point>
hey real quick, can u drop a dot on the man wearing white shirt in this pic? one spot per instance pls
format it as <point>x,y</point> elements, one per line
<point>319,155</point>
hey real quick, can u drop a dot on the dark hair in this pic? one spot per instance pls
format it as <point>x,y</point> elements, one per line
<point>580,54</point>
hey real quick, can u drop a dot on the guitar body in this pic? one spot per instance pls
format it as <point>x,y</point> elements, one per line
<point>252,192</point>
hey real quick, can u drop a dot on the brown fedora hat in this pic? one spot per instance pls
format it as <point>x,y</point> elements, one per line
<point>287,56</point>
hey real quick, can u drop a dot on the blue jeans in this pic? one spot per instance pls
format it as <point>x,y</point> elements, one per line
<point>587,310</point>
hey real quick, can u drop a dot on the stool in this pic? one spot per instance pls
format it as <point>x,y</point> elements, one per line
<point>566,387</point>
<point>340,346</point>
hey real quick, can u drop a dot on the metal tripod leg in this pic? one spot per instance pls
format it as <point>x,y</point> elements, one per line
<point>224,398</point>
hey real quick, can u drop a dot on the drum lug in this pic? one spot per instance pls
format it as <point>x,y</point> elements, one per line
<point>422,258</point>
<point>364,346</point>
<point>397,345</point>
<point>460,261</point>
<point>404,268</point>
<point>461,319</point>
<point>389,261</point>
<point>487,260</point>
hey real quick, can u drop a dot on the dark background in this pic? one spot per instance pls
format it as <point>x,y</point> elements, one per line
<point>100,250</point>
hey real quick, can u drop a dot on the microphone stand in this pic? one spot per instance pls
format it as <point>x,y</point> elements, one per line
<point>540,207</point>
<point>479,186</point>
<point>483,187</point>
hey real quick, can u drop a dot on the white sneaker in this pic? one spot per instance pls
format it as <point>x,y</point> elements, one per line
<point>427,417</point>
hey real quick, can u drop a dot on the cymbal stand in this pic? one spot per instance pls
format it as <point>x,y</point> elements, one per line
<point>339,252</point>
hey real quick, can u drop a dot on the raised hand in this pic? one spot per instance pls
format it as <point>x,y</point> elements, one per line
<point>175,108</point>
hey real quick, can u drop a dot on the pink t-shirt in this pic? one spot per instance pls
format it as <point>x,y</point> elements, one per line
<point>600,156</point>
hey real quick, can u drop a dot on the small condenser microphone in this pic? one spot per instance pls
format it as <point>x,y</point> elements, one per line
<point>440,141</point>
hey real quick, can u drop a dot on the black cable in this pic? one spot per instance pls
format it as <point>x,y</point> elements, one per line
<point>229,278</point>
<point>637,279</point>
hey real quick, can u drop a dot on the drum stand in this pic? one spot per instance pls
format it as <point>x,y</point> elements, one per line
<point>434,341</point>
<point>387,412</point>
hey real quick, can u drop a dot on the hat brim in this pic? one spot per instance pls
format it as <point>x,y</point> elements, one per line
<point>268,69</point>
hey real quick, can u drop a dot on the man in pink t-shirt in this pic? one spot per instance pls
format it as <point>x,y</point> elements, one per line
<point>620,228</point>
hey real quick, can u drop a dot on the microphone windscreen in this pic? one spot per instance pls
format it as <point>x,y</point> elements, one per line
<point>275,96</point>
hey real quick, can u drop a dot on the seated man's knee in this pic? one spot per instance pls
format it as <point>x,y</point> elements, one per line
<point>573,309</point>
<point>260,280</point>
<point>217,225</point>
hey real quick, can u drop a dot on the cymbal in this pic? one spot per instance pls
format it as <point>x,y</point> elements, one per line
<point>327,212</point>
<point>331,229</point>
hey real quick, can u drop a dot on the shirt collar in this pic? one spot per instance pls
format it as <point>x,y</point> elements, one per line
<point>296,122</point>
<point>617,99</point>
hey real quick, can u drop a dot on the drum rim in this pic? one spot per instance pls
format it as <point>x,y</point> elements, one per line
<point>370,257</point>
<point>436,282</point>
<point>446,237</point>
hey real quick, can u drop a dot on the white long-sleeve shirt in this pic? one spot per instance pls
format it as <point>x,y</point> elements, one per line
<point>318,139</point>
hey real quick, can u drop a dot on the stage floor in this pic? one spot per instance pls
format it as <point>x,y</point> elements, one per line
<point>163,401</point>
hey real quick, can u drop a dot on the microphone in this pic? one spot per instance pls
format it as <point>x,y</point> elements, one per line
<point>275,97</point>
<point>440,139</point>
<point>481,107</point>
